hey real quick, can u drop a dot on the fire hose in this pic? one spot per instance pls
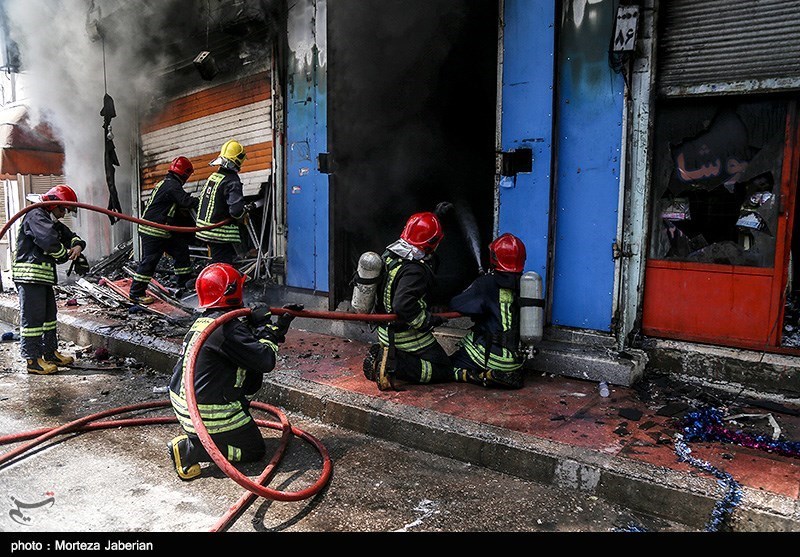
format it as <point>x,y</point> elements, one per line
<point>95,422</point>
<point>258,488</point>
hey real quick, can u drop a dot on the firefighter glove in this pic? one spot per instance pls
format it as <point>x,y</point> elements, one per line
<point>260,316</point>
<point>286,319</point>
<point>80,265</point>
<point>437,320</point>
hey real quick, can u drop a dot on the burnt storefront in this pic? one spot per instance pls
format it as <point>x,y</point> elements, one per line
<point>722,240</point>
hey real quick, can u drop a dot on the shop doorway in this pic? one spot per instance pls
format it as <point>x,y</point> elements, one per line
<point>722,219</point>
<point>411,122</point>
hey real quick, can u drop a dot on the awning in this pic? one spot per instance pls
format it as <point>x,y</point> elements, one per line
<point>26,150</point>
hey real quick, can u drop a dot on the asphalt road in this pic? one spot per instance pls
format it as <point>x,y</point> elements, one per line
<point>121,480</point>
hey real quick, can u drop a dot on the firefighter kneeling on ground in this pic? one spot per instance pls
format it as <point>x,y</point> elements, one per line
<point>229,367</point>
<point>489,353</point>
<point>44,242</point>
<point>167,201</point>
<point>407,349</point>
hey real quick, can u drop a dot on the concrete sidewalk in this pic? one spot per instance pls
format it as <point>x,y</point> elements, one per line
<point>556,430</point>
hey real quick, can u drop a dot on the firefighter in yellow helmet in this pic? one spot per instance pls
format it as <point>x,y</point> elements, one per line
<point>220,199</point>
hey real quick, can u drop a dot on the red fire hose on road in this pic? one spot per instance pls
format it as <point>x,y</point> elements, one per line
<point>95,421</point>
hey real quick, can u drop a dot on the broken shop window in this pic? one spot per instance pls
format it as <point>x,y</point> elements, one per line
<point>717,182</point>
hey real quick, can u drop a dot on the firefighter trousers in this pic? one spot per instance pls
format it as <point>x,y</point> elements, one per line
<point>428,365</point>
<point>220,252</point>
<point>243,444</point>
<point>37,320</point>
<point>153,248</point>
<point>466,370</point>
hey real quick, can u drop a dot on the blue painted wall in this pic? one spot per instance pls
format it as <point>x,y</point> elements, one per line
<point>306,136</point>
<point>588,147</point>
<point>526,122</point>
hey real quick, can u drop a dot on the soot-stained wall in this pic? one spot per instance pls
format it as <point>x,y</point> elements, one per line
<point>412,111</point>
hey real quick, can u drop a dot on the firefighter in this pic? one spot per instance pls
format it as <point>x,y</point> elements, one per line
<point>44,242</point>
<point>406,348</point>
<point>169,204</point>
<point>488,354</point>
<point>229,367</point>
<point>222,198</point>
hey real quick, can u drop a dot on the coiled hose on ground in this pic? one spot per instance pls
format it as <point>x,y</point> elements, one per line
<point>254,488</point>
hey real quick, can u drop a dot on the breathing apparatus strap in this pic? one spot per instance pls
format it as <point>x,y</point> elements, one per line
<point>358,280</point>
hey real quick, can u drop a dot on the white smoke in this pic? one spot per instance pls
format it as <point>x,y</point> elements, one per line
<point>67,68</point>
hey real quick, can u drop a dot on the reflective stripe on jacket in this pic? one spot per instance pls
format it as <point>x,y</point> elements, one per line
<point>166,198</point>
<point>404,293</point>
<point>222,198</point>
<point>229,366</point>
<point>43,242</point>
<point>492,303</point>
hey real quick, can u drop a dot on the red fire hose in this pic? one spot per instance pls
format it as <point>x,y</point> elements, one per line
<point>111,213</point>
<point>95,421</point>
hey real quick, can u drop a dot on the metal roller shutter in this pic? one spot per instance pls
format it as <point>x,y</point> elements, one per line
<point>728,46</point>
<point>196,126</point>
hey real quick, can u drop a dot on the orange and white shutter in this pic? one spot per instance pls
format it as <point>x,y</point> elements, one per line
<point>196,125</point>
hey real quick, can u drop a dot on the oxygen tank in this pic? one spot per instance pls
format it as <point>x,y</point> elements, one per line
<point>366,280</point>
<point>531,312</point>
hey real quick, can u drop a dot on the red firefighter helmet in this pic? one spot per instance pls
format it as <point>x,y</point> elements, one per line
<point>219,286</point>
<point>507,253</point>
<point>61,192</point>
<point>182,167</point>
<point>423,231</point>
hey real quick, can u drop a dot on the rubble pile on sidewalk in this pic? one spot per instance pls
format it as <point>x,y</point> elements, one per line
<point>101,292</point>
<point>676,399</point>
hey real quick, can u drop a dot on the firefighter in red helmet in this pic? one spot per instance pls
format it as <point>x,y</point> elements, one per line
<point>169,203</point>
<point>406,348</point>
<point>489,353</point>
<point>44,242</point>
<point>229,368</point>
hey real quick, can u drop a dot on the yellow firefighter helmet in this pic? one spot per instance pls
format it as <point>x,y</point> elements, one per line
<point>230,156</point>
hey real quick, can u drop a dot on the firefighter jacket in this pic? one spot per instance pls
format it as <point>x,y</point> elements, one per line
<point>167,198</point>
<point>230,365</point>
<point>43,242</point>
<point>222,198</point>
<point>492,301</point>
<point>403,291</point>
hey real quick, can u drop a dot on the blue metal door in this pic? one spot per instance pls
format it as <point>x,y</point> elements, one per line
<point>588,147</point>
<point>526,123</point>
<point>306,137</point>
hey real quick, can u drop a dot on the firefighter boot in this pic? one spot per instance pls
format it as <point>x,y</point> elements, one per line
<point>507,379</point>
<point>184,472</point>
<point>371,362</point>
<point>143,300</point>
<point>58,359</point>
<point>464,375</point>
<point>40,367</point>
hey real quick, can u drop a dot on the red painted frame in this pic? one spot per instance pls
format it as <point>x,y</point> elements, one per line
<point>726,304</point>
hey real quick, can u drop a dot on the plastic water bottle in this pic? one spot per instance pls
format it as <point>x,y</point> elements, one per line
<point>603,387</point>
